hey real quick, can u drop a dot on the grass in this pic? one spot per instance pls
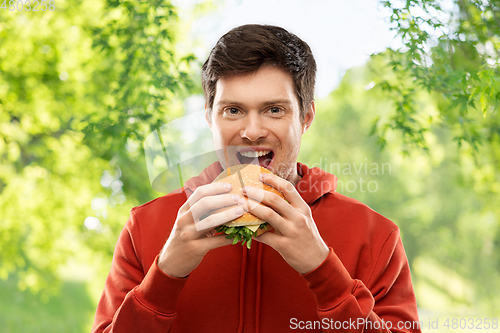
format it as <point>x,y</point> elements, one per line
<point>447,303</point>
<point>71,310</point>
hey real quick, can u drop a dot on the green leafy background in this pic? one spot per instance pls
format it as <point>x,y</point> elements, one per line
<point>414,133</point>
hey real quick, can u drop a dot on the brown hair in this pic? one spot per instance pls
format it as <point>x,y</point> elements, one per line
<point>246,48</point>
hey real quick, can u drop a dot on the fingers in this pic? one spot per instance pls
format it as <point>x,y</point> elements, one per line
<point>266,213</point>
<point>214,220</point>
<point>214,242</point>
<point>206,204</point>
<point>285,187</point>
<point>269,199</point>
<point>204,191</point>
<point>204,199</point>
<point>274,240</point>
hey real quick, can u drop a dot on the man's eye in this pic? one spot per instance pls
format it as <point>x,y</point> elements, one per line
<point>275,110</point>
<point>231,111</point>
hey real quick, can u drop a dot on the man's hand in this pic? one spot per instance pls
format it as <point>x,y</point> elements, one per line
<point>296,237</point>
<point>191,238</point>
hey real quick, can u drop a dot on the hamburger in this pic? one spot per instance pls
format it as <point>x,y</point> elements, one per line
<point>248,225</point>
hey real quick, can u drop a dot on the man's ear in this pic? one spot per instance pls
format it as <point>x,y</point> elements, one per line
<point>208,117</point>
<point>309,117</point>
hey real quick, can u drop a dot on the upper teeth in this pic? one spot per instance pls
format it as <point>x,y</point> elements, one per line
<point>252,153</point>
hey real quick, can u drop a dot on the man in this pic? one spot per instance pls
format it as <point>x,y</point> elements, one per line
<point>332,263</point>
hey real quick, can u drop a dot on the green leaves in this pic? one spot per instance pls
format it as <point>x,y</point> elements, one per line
<point>451,54</point>
<point>147,74</point>
<point>240,234</point>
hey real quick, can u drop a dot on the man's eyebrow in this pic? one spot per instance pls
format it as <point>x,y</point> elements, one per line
<point>226,102</point>
<point>276,101</point>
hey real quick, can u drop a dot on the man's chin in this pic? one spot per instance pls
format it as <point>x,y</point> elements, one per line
<point>286,171</point>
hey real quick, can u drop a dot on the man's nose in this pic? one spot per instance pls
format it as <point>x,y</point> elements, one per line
<point>253,127</point>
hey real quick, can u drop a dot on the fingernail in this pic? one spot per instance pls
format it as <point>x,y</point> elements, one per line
<point>241,201</point>
<point>235,197</point>
<point>238,211</point>
<point>262,176</point>
<point>243,190</point>
<point>227,186</point>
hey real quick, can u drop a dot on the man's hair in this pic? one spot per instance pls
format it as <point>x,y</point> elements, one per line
<point>246,48</point>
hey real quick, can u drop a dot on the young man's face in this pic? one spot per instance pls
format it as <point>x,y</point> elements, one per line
<point>258,114</point>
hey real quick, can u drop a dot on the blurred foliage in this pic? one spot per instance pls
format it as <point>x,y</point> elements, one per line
<point>443,85</point>
<point>441,198</point>
<point>80,87</point>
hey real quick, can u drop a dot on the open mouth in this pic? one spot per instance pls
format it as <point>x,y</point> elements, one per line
<point>263,158</point>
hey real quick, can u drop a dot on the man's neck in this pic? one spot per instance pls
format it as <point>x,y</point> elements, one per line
<point>295,178</point>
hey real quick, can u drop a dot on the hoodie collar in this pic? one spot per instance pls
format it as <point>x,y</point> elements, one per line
<point>314,183</point>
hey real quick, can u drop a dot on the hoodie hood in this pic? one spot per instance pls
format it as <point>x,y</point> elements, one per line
<point>313,185</point>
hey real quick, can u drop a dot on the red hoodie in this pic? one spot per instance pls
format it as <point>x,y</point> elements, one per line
<point>364,284</point>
